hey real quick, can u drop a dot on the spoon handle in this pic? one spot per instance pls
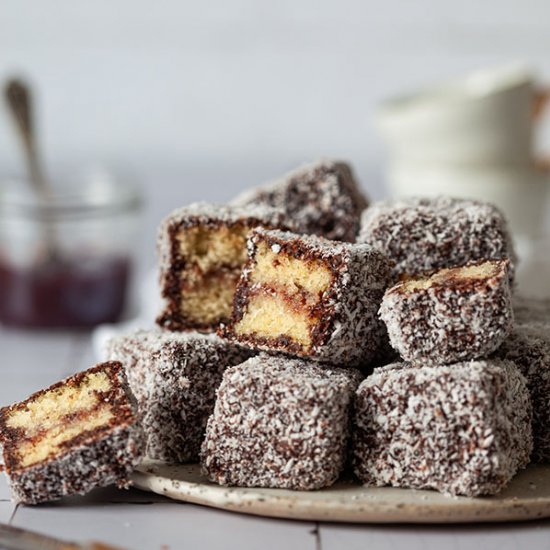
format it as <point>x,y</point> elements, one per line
<point>19,99</point>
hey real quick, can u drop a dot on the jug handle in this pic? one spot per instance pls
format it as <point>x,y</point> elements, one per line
<point>541,99</point>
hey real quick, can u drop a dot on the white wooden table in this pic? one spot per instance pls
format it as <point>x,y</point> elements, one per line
<point>139,520</point>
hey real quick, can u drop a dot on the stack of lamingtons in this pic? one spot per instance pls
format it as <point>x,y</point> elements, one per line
<point>303,330</point>
<point>312,301</point>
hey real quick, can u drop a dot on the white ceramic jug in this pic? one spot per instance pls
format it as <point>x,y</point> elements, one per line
<point>473,137</point>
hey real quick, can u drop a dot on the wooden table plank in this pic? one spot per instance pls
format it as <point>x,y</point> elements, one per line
<point>156,523</point>
<point>45,348</point>
<point>31,361</point>
<point>418,537</point>
<point>5,495</point>
<point>6,511</point>
<point>81,355</point>
<point>138,520</point>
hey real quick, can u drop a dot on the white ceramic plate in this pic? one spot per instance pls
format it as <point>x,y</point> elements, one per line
<point>527,497</point>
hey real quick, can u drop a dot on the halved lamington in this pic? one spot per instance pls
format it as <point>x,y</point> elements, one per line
<point>528,347</point>
<point>280,422</point>
<point>78,434</point>
<point>422,235</point>
<point>174,377</point>
<point>202,249</point>
<point>452,315</point>
<point>322,198</point>
<point>462,429</point>
<point>310,297</point>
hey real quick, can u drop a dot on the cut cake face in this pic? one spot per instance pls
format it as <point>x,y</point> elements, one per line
<point>78,434</point>
<point>202,249</point>
<point>310,297</point>
<point>452,315</point>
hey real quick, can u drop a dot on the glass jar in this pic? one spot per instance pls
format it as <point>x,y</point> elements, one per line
<point>66,260</point>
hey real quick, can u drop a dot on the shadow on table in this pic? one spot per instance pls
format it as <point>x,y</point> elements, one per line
<point>105,496</point>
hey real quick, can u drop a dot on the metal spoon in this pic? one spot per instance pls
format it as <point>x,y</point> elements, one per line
<point>19,99</point>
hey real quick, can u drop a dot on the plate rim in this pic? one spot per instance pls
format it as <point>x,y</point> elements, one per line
<point>298,505</point>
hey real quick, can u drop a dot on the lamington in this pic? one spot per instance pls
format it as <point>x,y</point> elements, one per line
<point>322,198</point>
<point>281,423</point>
<point>202,248</point>
<point>462,429</point>
<point>174,377</point>
<point>452,315</point>
<point>310,297</point>
<point>528,347</point>
<point>76,435</point>
<point>422,235</point>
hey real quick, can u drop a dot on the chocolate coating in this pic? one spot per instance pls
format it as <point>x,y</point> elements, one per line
<point>174,377</point>
<point>454,320</point>
<point>349,332</point>
<point>422,235</point>
<point>322,198</point>
<point>94,458</point>
<point>528,347</point>
<point>462,429</point>
<point>280,423</point>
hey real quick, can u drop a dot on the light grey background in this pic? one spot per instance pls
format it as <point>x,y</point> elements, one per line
<point>201,99</point>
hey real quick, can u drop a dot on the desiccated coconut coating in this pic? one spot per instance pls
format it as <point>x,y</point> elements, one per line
<point>453,315</point>
<point>202,248</point>
<point>532,310</point>
<point>322,199</point>
<point>461,429</point>
<point>422,235</point>
<point>528,347</point>
<point>279,423</point>
<point>174,377</point>
<point>81,433</point>
<point>310,297</point>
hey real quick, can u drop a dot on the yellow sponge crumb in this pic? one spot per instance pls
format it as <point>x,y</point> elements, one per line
<point>52,418</point>
<point>293,275</point>
<point>270,316</point>
<point>478,271</point>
